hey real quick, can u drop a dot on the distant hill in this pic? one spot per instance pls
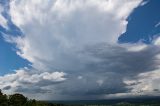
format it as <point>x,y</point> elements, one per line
<point>138,100</point>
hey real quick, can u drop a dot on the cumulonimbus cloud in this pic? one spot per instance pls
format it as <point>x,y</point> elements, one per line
<point>61,29</point>
<point>78,38</point>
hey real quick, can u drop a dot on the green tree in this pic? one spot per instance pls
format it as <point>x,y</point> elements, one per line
<point>3,99</point>
<point>17,100</point>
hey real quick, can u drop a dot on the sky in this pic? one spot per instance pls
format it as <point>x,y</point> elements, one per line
<point>80,49</point>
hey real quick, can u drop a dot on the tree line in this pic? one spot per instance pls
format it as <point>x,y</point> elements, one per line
<point>20,100</point>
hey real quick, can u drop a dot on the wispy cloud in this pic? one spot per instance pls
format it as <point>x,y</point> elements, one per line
<point>3,21</point>
<point>158,24</point>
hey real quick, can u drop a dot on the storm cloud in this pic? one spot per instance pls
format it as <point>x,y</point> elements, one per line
<point>73,49</point>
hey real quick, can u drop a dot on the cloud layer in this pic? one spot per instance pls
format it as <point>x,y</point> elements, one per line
<point>72,45</point>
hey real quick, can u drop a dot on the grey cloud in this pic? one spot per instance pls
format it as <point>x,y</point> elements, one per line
<point>41,83</point>
<point>6,87</point>
<point>110,64</point>
<point>119,59</point>
<point>31,89</point>
<point>115,63</point>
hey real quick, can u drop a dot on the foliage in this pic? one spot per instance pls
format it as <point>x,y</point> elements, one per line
<point>20,100</point>
<point>17,100</point>
<point>3,99</point>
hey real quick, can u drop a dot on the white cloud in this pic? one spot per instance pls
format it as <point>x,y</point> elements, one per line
<point>79,77</point>
<point>57,31</point>
<point>24,78</point>
<point>144,2</point>
<point>158,24</point>
<point>3,21</point>
<point>100,82</point>
<point>135,47</point>
<point>145,83</point>
<point>156,41</point>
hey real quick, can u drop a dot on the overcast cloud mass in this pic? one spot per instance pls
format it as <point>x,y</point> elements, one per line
<point>73,49</point>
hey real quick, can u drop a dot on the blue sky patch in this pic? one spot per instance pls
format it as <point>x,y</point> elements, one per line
<point>142,24</point>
